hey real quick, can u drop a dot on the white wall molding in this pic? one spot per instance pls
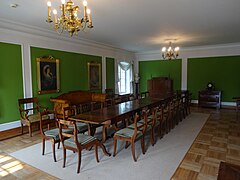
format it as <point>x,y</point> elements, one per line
<point>12,33</point>
<point>104,74</point>
<point>230,49</point>
<point>222,103</point>
<point>10,125</point>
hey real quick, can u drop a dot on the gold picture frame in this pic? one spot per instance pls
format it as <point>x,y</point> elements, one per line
<point>94,76</point>
<point>48,75</point>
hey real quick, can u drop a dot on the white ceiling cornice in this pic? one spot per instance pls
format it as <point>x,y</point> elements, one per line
<point>10,25</point>
<point>196,48</point>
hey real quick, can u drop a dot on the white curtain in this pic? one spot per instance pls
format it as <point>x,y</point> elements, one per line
<point>125,66</point>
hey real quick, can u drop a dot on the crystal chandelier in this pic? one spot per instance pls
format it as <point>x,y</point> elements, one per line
<point>69,20</point>
<point>169,52</point>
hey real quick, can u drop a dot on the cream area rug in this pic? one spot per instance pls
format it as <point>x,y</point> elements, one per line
<point>159,162</point>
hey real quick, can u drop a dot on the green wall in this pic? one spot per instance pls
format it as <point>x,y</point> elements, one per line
<point>73,71</point>
<point>160,68</point>
<point>223,72</point>
<point>110,73</point>
<point>11,82</point>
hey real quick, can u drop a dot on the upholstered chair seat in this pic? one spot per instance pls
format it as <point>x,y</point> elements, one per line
<point>35,117</point>
<point>82,138</point>
<point>128,132</point>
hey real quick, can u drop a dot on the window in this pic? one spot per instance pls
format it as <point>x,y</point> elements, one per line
<point>124,77</point>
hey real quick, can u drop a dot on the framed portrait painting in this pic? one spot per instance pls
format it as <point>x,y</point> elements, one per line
<point>94,76</point>
<point>48,75</point>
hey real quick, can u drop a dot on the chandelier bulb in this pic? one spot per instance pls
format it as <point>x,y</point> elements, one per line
<point>176,49</point>
<point>63,1</point>
<point>55,11</point>
<point>85,3</point>
<point>88,11</point>
<point>49,4</point>
<point>164,49</point>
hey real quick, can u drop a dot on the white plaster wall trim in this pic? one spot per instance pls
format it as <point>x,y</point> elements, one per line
<point>10,25</point>
<point>222,103</point>
<point>104,80</point>
<point>10,125</point>
<point>26,71</point>
<point>58,42</point>
<point>230,49</point>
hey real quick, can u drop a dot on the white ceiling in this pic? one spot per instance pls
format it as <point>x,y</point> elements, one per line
<point>138,25</point>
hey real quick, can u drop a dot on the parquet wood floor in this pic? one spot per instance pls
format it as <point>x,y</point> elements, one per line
<point>219,140</point>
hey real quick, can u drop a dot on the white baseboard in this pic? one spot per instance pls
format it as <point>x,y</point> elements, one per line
<point>10,125</point>
<point>222,103</point>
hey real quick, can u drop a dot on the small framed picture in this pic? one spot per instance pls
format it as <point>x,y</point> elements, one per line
<point>94,76</point>
<point>48,75</point>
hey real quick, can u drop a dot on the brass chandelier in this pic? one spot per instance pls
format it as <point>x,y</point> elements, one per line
<point>169,52</point>
<point>69,20</point>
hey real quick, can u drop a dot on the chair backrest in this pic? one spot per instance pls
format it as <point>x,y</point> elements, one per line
<point>160,112</point>
<point>63,123</point>
<point>28,104</point>
<point>69,111</point>
<point>47,117</point>
<point>140,126</point>
<point>137,127</point>
<point>85,107</point>
<point>154,114</point>
<point>110,93</point>
<point>144,94</point>
<point>97,105</point>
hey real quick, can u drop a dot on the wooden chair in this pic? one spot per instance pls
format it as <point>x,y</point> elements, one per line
<point>159,114</point>
<point>49,134</point>
<point>131,135</point>
<point>77,142</point>
<point>110,93</point>
<point>237,100</point>
<point>71,111</point>
<point>148,119</point>
<point>154,119</point>
<point>164,121</point>
<point>29,113</point>
<point>144,94</point>
<point>189,100</point>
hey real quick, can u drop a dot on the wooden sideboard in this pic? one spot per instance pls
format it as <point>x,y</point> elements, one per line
<point>208,98</point>
<point>160,85</point>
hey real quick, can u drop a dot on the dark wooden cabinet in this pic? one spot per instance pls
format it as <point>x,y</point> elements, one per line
<point>208,98</point>
<point>159,85</point>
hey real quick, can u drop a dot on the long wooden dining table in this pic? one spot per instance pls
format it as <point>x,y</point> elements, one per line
<point>113,114</point>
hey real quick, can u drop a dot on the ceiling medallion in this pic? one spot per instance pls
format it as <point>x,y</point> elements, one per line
<point>69,20</point>
<point>170,52</point>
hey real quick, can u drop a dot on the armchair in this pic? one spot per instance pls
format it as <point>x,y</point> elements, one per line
<point>29,112</point>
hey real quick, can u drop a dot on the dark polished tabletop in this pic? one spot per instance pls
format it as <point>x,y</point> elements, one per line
<point>107,115</point>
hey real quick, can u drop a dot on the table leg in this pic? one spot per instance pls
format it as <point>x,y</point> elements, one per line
<point>104,132</point>
<point>104,138</point>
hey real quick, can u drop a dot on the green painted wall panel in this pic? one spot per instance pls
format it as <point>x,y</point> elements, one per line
<point>110,73</point>
<point>11,82</point>
<point>223,72</point>
<point>160,68</point>
<point>73,71</point>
